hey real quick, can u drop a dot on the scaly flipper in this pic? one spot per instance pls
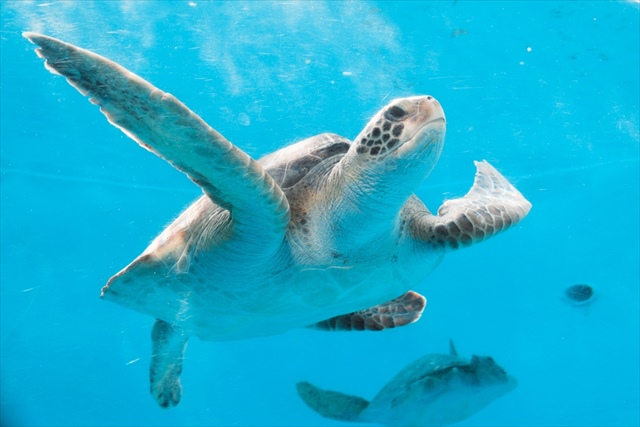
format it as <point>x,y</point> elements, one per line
<point>162,124</point>
<point>168,346</point>
<point>400,311</point>
<point>491,206</point>
<point>332,404</point>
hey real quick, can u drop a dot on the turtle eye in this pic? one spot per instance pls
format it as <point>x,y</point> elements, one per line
<point>395,113</point>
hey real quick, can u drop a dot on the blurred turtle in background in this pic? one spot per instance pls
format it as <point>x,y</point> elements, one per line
<point>437,389</point>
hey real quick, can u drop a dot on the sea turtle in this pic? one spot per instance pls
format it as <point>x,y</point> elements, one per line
<point>325,232</point>
<point>437,389</point>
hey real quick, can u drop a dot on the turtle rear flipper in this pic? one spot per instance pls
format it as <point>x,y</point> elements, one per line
<point>400,311</point>
<point>168,346</point>
<point>162,124</point>
<point>491,206</point>
<point>332,404</point>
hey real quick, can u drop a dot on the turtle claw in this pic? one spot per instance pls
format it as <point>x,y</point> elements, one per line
<point>167,392</point>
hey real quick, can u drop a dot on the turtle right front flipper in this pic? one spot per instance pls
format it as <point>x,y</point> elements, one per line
<point>162,124</point>
<point>491,206</point>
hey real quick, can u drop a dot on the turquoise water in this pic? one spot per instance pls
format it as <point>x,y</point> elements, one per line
<point>548,92</point>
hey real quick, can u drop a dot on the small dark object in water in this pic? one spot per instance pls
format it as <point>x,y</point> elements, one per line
<point>579,293</point>
<point>458,32</point>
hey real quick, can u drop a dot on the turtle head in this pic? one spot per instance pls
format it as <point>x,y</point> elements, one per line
<point>385,164</point>
<point>408,133</point>
<point>399,146</point>
<point>487,372</point>
<point>396,150</point>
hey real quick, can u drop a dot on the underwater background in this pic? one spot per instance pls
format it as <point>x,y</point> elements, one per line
<point>548,92</point>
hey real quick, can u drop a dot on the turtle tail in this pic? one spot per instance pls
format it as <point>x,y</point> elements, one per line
<point>332,404</point>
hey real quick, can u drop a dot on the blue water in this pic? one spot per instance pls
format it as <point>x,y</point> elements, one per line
<point>548,92</point>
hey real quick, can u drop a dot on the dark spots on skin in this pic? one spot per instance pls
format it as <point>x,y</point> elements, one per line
<point>464,223</point>
<point>488,219</point>
<point>397,130</point>
<point>341,323</point>
<point>386,126</point>
<point>361,149</point>
<point>374,324</point>
<point>385,137</point>
<point>392,143</point>
<point>387,321</point>
<point>498,224</point>
<point>357,322</point>
<point>453,243</point>
<point>303,221</point>
<point>375,150</point>
<point>454,229</point>
<point>370,142</point>
<point>466,239</point>
<point>395,113</point>
<point>441,230</point>
<point>363,141</point>
<point>376,132</point>
<point>474,217</point>
<point>494,210</point>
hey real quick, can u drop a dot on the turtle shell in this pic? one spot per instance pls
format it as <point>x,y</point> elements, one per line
<point>430,366</point>
<point>289,165</point>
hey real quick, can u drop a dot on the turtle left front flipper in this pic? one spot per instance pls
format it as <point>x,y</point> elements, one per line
<point>400,311</point>
<point>491,206</point>
<point>162,124</point>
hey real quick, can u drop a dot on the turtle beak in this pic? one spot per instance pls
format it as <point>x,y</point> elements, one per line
<point>428,125</point>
